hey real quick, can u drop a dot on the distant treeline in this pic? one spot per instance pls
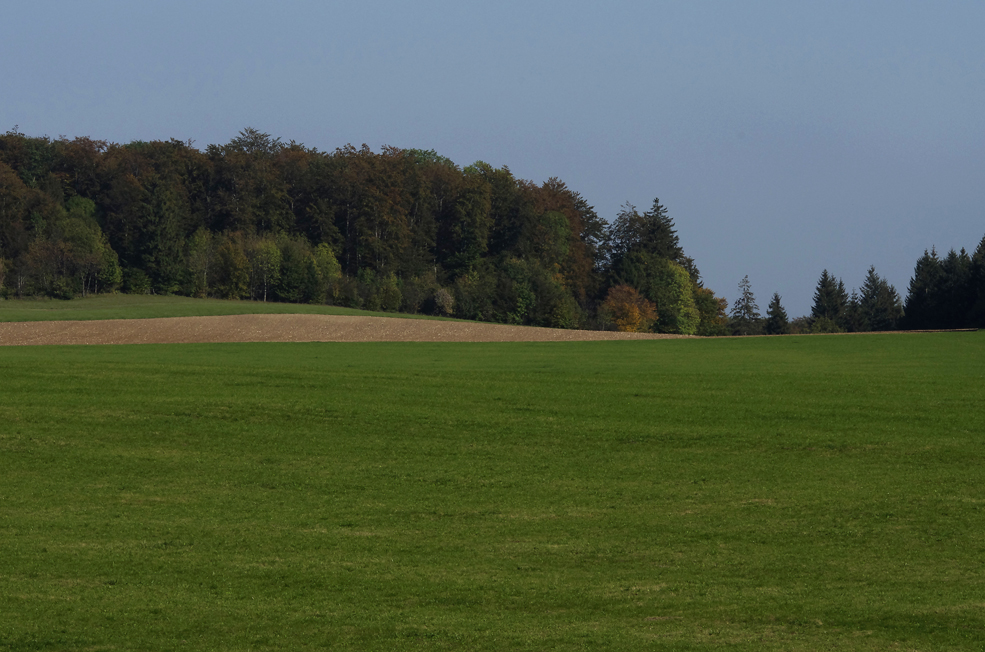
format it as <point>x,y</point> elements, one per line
<point>944,293</point>
<point>398,230</point>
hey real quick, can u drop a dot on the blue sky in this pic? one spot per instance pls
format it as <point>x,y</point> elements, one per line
<point>784,138</point>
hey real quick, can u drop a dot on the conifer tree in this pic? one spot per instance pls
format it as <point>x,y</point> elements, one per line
<point>976,316</point>
<point>830,301</point>
<point>776,318</point>
<point>956,299</point>
<point>661,236</point>
<point>880,308</point>
<point>851,319</point>
<point>651,233</point>
<point>923,297</point>
<point>745,318</point>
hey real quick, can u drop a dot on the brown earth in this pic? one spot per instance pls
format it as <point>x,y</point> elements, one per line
<point>288,328</point>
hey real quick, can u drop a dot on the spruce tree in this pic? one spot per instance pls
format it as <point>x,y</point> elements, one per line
<point>851,318</point>
<point>661,236</point>
<point>845,322</point>
<point>776,318</point>
<point>923,297</point>
<point>830,300</point>
<point>879,305</point>
<point>651,233</point>
<point>976,316</point>
<point>956,297</point>
<point>745,318</point>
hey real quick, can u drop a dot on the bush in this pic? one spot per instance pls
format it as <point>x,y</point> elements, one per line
<point>444,302</point>
<point>135,281</point>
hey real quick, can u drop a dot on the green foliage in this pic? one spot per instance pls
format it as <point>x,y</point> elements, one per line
<point>879,304</point>
<point>328,273</point>
<point>201,223</point>
<point>713,318</point>
<point>389,296</point>
<point>668,286</point>
<point>651,233</point>
<point>824,325</point>
<point>776,318</point>
<point>745,318</point>
<point>201,262</point>
<point>326,262</point>
<point>552,240</point>
<point>298,281</point>
<point>976,314</point>
<point>473,295</point>
<point>136,281</point>
<point>110,273</point>
<point>417,294</point>
<point>830,302</point>
<point>265,259</point>
<point>82,208</point>
<point>233,269</point>
<point>924,292</point>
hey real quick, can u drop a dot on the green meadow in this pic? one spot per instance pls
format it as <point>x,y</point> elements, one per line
<point>146,306</point>
<point>794,493</point>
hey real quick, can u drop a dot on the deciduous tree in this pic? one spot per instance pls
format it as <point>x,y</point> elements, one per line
<point>628,310</point>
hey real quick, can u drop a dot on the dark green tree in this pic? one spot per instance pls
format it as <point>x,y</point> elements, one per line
<point>830,302</point>
<point>880,307</point>
<point>852,320</point>
<point>922,306</point>
<point>777,322</point>
<point>956,294</point>
<point>652,233</point>
<point>745,318</point>
<point>976,315</point>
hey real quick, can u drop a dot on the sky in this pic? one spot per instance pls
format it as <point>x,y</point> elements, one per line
<point>784,138</point>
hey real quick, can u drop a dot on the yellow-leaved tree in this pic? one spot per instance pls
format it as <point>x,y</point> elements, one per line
<point>628,310</point>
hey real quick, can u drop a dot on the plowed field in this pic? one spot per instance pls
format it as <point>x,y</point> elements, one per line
<point>287,328</point>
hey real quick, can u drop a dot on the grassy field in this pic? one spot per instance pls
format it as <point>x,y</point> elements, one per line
<point>145,306</point>
<point>797,493</point>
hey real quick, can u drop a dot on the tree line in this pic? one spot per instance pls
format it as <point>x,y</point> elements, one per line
<point>944,293</point>
<point>395,230</point>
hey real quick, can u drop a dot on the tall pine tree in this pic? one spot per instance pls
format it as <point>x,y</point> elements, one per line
<point>956,298</point>
<point>976,316</point>
<point>880,306</point>
<point>830,302</point>
<point>745,318</point>
<point>776,318</point>
<point>651,233</point>
<point>923,298</point>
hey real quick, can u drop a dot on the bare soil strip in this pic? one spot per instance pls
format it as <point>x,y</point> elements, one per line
<point>288,328</point>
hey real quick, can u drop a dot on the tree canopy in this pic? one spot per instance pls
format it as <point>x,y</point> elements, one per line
<point>393,230</point>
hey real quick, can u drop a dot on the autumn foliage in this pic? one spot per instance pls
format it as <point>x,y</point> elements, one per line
<point>628,310</point>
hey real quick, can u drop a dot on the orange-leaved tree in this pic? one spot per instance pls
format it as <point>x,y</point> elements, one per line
<point>628,310</point>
